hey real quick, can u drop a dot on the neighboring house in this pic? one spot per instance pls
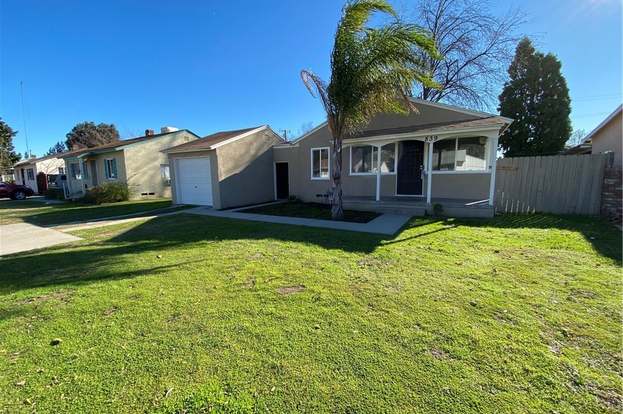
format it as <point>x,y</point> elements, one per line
<point>442,155</point>
<point>225,169</point>
<point>48,168</point>
<point>606,137</point>
<point>137,162</point>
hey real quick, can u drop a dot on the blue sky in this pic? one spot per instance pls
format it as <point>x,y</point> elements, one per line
<point>214,65</point>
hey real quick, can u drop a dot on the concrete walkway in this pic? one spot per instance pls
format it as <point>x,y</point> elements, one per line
<point>22,237</point>
<point>387,224</point>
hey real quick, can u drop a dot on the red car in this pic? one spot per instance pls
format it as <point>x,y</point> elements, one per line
<point>15,191</point>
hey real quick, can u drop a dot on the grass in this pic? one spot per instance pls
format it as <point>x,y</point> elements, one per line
<point>191,313</point>
<point>38,213</point>
<point>310,210</point>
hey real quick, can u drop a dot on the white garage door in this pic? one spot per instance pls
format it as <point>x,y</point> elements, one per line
<point>194,181</point>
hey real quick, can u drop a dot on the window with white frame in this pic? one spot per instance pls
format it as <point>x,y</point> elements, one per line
<point>110,168</point>
<point>74,171</point>
<point>30,173</point>
<point>460,154</point>
<point>320,163</point>
<point>363,159</point>
<point>165,174</point>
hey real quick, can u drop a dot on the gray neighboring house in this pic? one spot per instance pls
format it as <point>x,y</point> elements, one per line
<point>441,155</point>
<point>225,169</point>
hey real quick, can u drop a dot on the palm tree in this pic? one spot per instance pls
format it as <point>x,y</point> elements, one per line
<point>372,71</point>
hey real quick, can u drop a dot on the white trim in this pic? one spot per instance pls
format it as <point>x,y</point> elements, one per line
<point>311,163</point>
<point>472,170</point>
<point>603,123</point>
<point>458,172</point>
<point>412,136</point>
<point>429,176</point>
<point>493,165</point>
<point>109,171</point>
<point>378,146</point>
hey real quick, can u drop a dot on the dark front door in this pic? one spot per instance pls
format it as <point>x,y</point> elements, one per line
<point>410,166</point>
<point>281,180</point>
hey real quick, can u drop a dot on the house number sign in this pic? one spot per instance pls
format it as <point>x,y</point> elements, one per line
<point>431,138</point>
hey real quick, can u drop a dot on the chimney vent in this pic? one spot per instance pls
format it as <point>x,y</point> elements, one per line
<point>149,132</point>
<point>166,129</point>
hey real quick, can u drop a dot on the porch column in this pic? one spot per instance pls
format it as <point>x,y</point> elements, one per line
<point>493,153</point>
<point>378,173</point>
<point>429,173</point>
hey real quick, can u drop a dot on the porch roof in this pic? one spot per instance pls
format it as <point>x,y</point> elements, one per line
<point>479,123</point>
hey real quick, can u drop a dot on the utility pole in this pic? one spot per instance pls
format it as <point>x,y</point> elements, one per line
<point>21,88</point>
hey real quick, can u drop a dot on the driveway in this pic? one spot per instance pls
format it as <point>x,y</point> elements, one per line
<point>21,237</point>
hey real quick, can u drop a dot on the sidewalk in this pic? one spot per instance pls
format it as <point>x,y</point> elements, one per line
<point>387,224</point>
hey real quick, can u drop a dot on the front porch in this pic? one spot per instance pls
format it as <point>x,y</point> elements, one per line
<point>418,206</point>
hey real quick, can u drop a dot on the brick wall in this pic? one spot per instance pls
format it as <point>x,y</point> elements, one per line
<point>612,194</point>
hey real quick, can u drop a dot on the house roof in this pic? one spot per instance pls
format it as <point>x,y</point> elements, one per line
<point>217,139</point>
<point>603,123</point>
<point>491,121</point>
<point>483,119</point>
<point>35,160</point>
<point>118,144</point>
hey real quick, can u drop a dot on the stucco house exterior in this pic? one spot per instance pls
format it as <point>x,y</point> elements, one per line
<point>26,171</point>
<point>608,136</point>
<point>138,162</point>
<point>440,155</point>
<point>224,169</point>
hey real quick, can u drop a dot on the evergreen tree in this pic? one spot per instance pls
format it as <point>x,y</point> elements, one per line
<point>8,156</point>
<point>537,98</point>
<point>87,135</point>
<point>57,148</point>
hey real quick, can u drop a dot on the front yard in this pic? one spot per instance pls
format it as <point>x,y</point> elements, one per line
<point>36,212</point>
<point>514,314</point>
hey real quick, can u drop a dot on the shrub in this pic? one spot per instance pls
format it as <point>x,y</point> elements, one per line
<point>54,194</point>
<point>437,209</point>
<point>107,193</point>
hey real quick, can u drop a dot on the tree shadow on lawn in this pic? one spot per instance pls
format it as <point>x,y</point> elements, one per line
<point>62,213</point>
<point>85,264</point>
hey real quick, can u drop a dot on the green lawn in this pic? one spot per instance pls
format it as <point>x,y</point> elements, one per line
<point>516,314</point>
<point>36,212</point>
<point>310,210</point>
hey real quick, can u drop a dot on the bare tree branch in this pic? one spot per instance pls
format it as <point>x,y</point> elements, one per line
<point>477,48</point>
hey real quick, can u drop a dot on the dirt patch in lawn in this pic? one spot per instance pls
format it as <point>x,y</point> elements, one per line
<point>310,210</point>
<point>61,296</point>
<point>289,290</point>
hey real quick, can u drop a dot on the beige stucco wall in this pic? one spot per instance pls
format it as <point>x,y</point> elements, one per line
<point>246,170</point>
<point>143,161</point>
<point>216,195</point>
<point>458,185</point>
<point>609,138</point>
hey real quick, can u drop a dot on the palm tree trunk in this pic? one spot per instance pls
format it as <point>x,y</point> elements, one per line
<point>337,211</point>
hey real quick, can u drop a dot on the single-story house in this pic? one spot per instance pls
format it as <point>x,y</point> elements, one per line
<point>440,154</point>
<point>137,162</point>
<point>225,169</point>
<point>48,169</point>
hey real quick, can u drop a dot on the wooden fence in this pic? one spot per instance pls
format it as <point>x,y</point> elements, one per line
<point>563,184</point>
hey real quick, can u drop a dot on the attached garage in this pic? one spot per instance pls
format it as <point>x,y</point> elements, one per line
<point>194,181</point>
<point>226,169</point>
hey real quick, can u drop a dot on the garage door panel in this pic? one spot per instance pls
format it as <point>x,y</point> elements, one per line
<point>194,181</point>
